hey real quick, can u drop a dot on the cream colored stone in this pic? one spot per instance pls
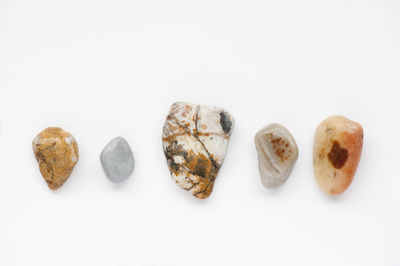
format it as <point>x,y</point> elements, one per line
<point>338,144</point>
<point>277,153</point>
<point>195,142</point>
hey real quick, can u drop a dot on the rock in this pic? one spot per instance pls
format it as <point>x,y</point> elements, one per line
<point>56,152</point>
<point>117,160</point>
<point>337,149</point>
<point>195,141</point>
<point>277,153</point>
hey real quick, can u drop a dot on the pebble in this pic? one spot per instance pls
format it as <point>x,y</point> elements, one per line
<point>56,152</point>
<point>117,160</point>
<point>338,144</point>
<point>195,141</point>
<point>277,154</point>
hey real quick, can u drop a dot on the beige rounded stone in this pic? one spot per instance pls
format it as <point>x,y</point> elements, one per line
<point>277,154</point>
<point>337,149</point>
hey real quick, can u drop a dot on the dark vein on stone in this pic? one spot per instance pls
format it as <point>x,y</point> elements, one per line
<point>179,124</point>
<point>205,189</point>
<point>196,135</point>
<point>172,163</point>
<point>190,172</point>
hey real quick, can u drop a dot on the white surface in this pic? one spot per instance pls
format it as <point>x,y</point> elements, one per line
<point>100,69</point>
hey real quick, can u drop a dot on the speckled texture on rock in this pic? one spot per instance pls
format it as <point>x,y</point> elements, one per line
<point>338,144</point>
<point>277,153</point>
<point>117,160</point>
<point>56,152</point>
<point>195,141</point>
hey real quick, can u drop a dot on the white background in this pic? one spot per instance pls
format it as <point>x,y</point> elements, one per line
<point>101,69</point>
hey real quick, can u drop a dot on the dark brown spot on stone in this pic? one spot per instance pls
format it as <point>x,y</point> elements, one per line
<point>337,156</point>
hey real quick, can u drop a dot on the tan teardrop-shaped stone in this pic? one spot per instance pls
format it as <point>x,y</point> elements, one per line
<point>338,144</point>
<point>56,152</point>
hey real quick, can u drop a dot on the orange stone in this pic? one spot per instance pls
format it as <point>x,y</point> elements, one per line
<point>337,149</point>
<point>56,152</point>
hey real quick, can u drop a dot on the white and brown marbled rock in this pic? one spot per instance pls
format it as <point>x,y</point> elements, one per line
<point>56,152</point>
<point>195,141</point>
<point>337,149</point>
<point>277,153</point>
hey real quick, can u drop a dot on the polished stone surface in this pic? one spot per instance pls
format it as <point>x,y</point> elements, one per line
<point>338,144</point>
<point>195,142</point>
<point>117,160</point>
<point>56,152</point>
<point>277,154</point>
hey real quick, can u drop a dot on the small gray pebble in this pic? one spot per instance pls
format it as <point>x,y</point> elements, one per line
<point>117,160</point>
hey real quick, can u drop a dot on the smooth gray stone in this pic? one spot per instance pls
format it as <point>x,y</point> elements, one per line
<point>117,160</point>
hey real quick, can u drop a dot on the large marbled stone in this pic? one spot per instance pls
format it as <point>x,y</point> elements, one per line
<point>277,153</point>
<point>117,160</point>
<point>56,152</point>
<point>195,141</point>
<point>338,144</point>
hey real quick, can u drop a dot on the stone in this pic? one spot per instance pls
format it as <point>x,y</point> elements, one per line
<point>117,160</point>
<point>277,154</point>
<point>338,144</point>
<point>195,141</point>
<point>56,152</point>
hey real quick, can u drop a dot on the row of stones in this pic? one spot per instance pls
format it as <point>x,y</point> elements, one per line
<point>337,150</point>
<point>195,142</point>
<point>56,152</point>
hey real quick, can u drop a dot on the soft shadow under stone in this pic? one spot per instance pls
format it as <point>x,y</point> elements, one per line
<point>117,160</point>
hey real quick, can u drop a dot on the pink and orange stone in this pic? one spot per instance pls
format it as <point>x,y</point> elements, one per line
<point>338,144</point>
